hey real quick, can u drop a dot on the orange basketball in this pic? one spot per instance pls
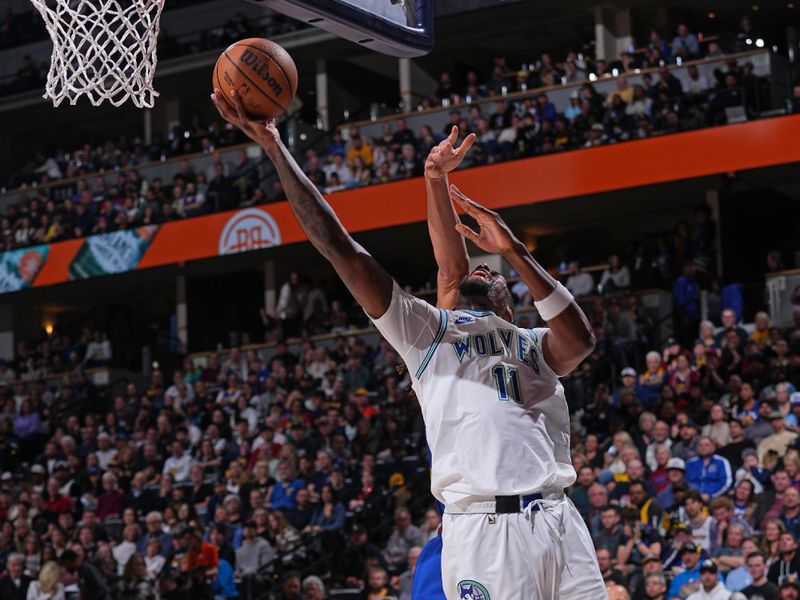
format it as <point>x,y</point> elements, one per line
<point>261,72</point>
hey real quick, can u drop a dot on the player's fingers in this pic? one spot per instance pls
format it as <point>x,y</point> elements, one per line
<point>474,207</point>
<point>453,135</point>
<point>467,232</point>
<point>222,107</point>
<point>467,143</point>
<point>237,102</point>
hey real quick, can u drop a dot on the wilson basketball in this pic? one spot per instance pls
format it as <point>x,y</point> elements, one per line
<point>261,72</point>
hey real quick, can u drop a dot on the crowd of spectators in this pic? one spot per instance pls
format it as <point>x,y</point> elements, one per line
<point>243,475</point>
<point>506,130</point>
<point>581,64</point>
<point>285,474</point>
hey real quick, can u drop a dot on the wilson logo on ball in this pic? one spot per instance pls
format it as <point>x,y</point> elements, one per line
<point>247,230</point>
<point>260,68</point>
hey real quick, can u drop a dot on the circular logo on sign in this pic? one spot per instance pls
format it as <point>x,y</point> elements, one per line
<point>472,590</point>
<point>249,229</point>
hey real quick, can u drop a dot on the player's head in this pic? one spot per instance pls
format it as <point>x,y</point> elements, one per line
<point>487,289</point>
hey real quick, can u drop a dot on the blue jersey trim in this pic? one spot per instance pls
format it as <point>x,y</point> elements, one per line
<point>436,340</point>
<point>476,313</point>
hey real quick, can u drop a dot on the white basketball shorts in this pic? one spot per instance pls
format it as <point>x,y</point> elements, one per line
<point>544,554</point>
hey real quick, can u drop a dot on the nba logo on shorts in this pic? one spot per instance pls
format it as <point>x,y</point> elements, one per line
<point>249,229</point>
<point>472,590</point>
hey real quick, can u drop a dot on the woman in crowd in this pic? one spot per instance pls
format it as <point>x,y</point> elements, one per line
<point>329,516</point>
<point>770,545</point>
<point>134,584</point>
<point>48,586</point>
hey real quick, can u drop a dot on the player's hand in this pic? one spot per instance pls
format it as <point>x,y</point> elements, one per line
<point>445,157</point>
<point>494,236</point>
<point>264,134</point>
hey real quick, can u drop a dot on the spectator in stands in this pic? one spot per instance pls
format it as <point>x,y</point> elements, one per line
<point>579,282</point>
<point>685,44</point>
<point>15,584</point>
<point>710,472</point>
<point>761,586</point>
<point>405,536</point>
<point>686,581</point>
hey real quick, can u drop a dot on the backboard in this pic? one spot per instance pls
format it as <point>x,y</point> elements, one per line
<point>402,28</point>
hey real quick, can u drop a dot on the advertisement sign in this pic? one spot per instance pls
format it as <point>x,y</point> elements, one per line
<point>109,253</point>
<point>18,268</point>
<point>247,230</point>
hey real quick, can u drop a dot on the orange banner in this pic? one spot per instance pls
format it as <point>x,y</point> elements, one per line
<point>744,146</point>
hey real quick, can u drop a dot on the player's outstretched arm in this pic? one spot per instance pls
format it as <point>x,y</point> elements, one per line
<point>449,248</point>
<point>369,283</point>
<point>571,338</point>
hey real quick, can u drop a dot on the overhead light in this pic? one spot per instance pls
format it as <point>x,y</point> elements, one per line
<point>712,15</point>
<point>48,327</point>
<point>749,42</point>
<point>759,43</point>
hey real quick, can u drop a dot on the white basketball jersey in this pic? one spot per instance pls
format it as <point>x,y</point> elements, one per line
<point>495,415</point>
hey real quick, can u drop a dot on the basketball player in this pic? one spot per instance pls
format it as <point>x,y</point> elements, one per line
<point>495,415</point>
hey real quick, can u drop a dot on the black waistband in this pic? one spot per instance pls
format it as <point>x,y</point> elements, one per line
<point>513,504</point>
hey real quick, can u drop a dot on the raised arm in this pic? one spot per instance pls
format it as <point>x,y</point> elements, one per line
<point>369,283</point>
<point>449,248</point>
<point>571,338</point>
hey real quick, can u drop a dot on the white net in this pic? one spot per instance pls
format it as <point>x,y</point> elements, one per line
<point>103,49</point>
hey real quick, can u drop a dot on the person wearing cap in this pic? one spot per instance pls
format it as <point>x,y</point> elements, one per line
<point>676,473</point>
<point>780,439</point>
<point>651,565</point>
<point>761,586</point>
<point>688,578</point>
<point>711,586</point>
<point>710,472</point>
<point>628,378</point>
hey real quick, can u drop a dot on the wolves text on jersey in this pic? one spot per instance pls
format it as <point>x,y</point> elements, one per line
<point>499,342</point>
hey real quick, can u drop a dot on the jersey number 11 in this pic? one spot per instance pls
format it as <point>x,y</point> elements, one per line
<point>507,382</point>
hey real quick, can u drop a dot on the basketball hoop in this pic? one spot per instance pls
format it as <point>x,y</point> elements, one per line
<point>103,49</point>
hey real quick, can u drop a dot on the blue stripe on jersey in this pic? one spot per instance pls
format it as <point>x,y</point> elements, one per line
<point>436,340</point>
<point>476,313</point>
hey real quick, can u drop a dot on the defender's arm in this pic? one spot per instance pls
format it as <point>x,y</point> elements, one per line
<point>449,248</point>
<point>571,338</point>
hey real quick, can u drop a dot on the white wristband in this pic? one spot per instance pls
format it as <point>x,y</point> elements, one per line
<point>555,303</point>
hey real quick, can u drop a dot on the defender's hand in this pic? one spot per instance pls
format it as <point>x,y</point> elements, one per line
<point>264,134</point>
<point>494,237</point>
<point>443,158</point>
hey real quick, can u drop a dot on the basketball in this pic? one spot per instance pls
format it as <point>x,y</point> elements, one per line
<point>261,72</point>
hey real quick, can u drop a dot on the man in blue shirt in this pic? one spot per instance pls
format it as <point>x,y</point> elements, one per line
<point>687,581</point>
<point>710,472</point>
